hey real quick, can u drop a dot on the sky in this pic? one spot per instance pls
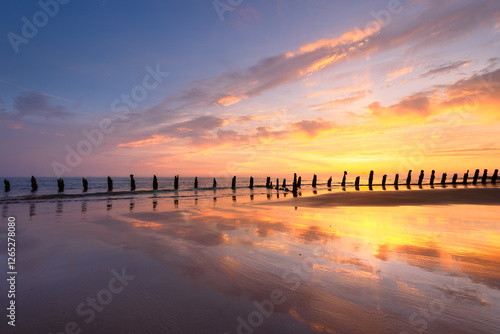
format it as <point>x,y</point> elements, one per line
<point>238,87</point>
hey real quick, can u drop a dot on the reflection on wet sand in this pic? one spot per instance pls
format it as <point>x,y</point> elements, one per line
<point>340,270</point>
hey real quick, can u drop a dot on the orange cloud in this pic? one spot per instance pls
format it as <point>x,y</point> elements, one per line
<point>228,100</point>
<point>347,100</point>
<point>157,139</point>
<point>399,72</point>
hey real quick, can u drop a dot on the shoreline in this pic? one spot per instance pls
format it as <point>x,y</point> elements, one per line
<point>472,196</point>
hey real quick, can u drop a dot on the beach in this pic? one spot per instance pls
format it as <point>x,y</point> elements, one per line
<point>340,262</point>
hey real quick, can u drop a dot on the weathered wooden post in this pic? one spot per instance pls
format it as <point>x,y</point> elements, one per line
<point>421,178</point>
<point>408,178</point>
<point>195,182</point>
<point>343,180</point>
<point>370,179</point>
<point>329,184</point>
<point>356,183</point>
<point>233,183</point>
<point>315,179</point>
<point>299,183</point>
<point>494,177</point>
<point>176,182</point>
<point>251,183</point>
<point>443,179</point>
<point>466,176</point>
<point>85,184</point>
<point>34,185</point>
<point>284,184</point>
<point>485,175</point>
<point>110,184</point>
<point>384,180</point>
<point>268,182</point>
<point>476,176</point>
<point>155,182</point>
<point>132,182</point>
<point>277,184</point>
<point>60,185</point>
<point>396,180</point>
<point>433,176</point>
<point>7,185</point>
<point>454,179</point>
<point>215,183</point>
<point>294,189</point>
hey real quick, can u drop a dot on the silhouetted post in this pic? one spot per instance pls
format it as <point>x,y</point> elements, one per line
<point>233,183</point>
<point>384,180</point>
<point>176,182</point>
<point>343,179</point>
<point>294,183</point>
<point>132,182</point>
<point>408,178</point>
<point>356,183</point>
<point>60,185</point>
<point>34,185</point>
<point>466,176</point>
<point>443,179</point>
<point>370,179</point>
<point>268,182</point>
<point>476,176</point>
<point>251,183</point>
<point>277,184</point>
<point>85,184</point>
<point>485,175</point>
<point>284,184</point>
<point>454,179</point>
<point>421,178</point>
<point>433,176</point>
<point>299,183</point>
<point>494,177</point>
<point>110,184</point>
<point>329,182</point>
<point>315,179</point>
<point>196,183</point>
<point>215,183</point>
<point>7,185</point>
<point>396,180</point>
<point>155,182</point>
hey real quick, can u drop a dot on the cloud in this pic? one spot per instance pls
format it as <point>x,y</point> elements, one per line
<point>37,105</point>
<point>398,73</point>
<point>155,140</point>
<point>313,128</point>
<point>414,107</point>
<point>356,96</point>
<point>446,68</point>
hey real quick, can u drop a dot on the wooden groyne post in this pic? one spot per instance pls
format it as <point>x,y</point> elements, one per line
<point>384,180</point>
<point>454,179</point>
<point>284,184</point>
<point>132,182</point>
<point>408,178</point>
<point>329,184</point>
<point>214,185</point>
<point>396,180</point>
<point>476,176</point>
<point>294,183</point>
<point>343,179</point>
<point>485,175</point>
<point>34,185</point>
<point>85,184</point>
<point>251,183</point>
<point>421,178</point>
<point>370,179</point>
<point>268,182</point>
<point>494,177</point>
<point>176,182</point>
<point>443,179</point>
<point>299,183</point>
<point>315,180</point>
<point>155,182</point>
<point>277,184</point>
<point>233,183</point>
<point>7,185</point>
<point>356,183</point>
<point>60,185</point>
<point>196,182</point>
<point>433,176</point>
<point>466,176</point>
<point>110,184</point>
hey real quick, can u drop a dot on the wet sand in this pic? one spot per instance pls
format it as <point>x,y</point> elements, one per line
<point>479,196</point>
<point>224,266</point>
